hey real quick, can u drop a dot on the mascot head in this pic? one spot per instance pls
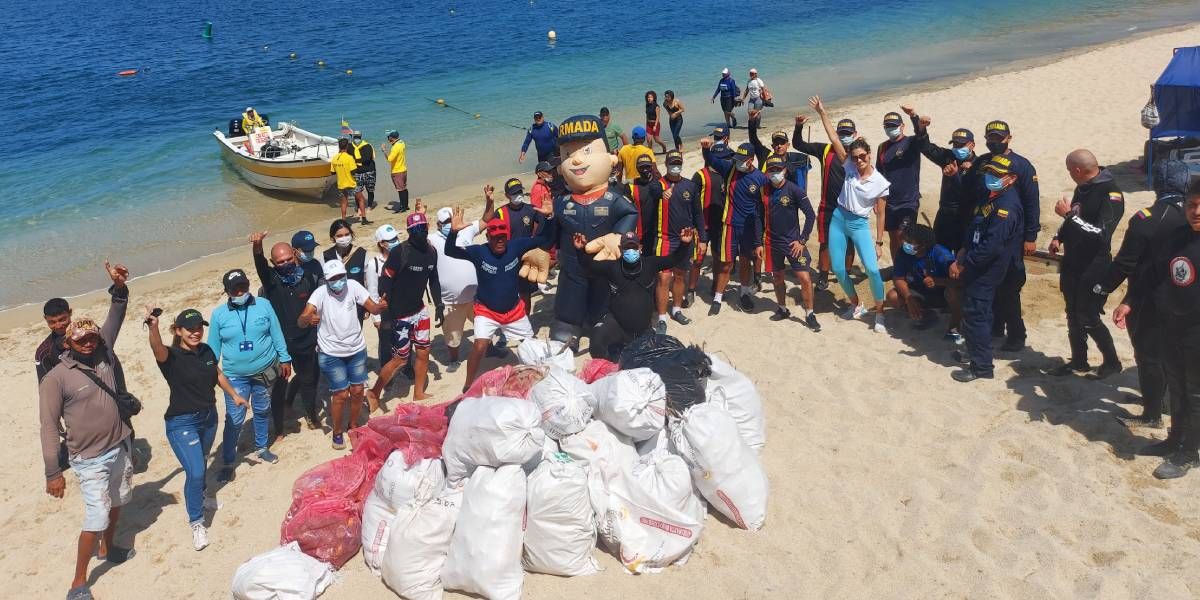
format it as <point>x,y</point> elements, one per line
<point>586,161</point>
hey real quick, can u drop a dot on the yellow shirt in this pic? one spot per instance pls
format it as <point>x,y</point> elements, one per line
<point>343,164</point>
<point>629,155</point>
<point>397,157</point>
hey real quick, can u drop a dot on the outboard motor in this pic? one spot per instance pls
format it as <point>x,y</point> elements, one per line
<point>235,128</point>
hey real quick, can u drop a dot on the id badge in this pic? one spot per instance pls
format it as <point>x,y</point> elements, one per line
<point>246,346</point>
<point>975,238</point>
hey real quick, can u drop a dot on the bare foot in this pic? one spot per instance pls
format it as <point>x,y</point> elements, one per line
<point>372,401</point>
<point>422,396</point>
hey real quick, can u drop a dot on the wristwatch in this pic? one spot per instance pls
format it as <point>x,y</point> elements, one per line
<point>879,243</point>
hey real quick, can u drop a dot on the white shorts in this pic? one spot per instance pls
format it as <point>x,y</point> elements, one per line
<point>486,327</point>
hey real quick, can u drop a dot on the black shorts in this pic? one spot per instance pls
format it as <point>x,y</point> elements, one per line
<point>899,218</point>
<point>934,297</point>
<point>778,259</point>
<point>742,241</point>
<point>727,104</point>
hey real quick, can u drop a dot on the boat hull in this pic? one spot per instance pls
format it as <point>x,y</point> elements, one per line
<point>309,177</point>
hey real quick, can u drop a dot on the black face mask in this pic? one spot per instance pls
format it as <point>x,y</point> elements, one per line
<point>418,235</point>
<point>997,147</point>
<point>87,359</point>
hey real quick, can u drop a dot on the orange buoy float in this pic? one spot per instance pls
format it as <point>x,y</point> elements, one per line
<point>127,73</point>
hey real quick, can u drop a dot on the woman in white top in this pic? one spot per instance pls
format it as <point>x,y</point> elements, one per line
<point>865,190</point>
<point>341,347</point>
<point>755,96</point>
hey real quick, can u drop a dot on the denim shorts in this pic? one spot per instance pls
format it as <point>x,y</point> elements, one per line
<point>105,482</point>
<point>344,371</point>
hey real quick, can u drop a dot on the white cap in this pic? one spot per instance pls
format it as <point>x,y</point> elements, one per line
<point>385,233</point>
<point>444,214</point>
<point>333,268</point>
<point>753,70</point>
<point>725,71</point>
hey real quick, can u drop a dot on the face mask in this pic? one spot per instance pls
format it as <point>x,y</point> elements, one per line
<point>392,244</point>
<point>304,256</point>
<point>992,182</point>
<point>909,249</point>
<point>846,140</point>
<point>445,229</point>
<point>745,167</point>
<point>418,234</point>
<point>961,153</point>
<point>893,133</point>
<point>777,178</point>
<point>290,274</point>
<point>337,286</point>
<point>240,300</point>
<point>631,256</point>
<point>997,147</point>
<point>516,200</point>
<point>675,170</point>
<point>343,242</point>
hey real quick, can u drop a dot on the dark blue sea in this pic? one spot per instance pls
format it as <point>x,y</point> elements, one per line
<point>126,167</point>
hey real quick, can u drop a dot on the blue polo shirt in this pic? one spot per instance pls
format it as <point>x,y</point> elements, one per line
<point>913,269</point>
<point>246,339</point>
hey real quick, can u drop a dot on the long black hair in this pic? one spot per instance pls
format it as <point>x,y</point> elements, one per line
<point>338,224</point>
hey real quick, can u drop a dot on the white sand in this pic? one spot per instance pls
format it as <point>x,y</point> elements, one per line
<point>888,479</point>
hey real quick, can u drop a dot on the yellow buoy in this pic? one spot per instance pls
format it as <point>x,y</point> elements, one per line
<point>349,72</point>
<point>292,56</point>
<point>441,102</point>
<point>320,63</point>
<point>476,115</point>
<point>552,35</point>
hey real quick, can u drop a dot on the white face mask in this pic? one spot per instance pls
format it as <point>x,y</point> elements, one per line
<point>675,169</point>
<point>777,178</point>
<point>893,133</point>
<point>745,167</point>
<point>343,242</point>
<point>518,199</point>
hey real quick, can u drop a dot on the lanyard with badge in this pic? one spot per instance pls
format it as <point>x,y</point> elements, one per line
<point>245,345</point>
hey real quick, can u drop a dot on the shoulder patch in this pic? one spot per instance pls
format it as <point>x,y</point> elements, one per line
<point>1116,197</point>
<point>1142,214</point>
<point>1002,213</point>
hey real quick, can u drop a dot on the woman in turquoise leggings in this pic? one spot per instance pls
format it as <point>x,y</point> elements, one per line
<point>864,191</point>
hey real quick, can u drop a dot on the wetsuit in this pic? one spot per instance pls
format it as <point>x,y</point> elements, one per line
<point>632,308</point>
<point>544,138</point>
<point>956,203</point>
<point>1086,233</point>
<point>900,162</point>
<point>523,220</point>
<point>1179,299</point>
<point>782,207</point>
<point>991,250</point>
<point>833,175</point>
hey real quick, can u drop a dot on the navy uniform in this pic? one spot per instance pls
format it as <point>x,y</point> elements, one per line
<point>900,162</point>
<point>1145,237</point>
<point>781,222</point>
<point>992,249</point>
<point>796,164</point>
<point>720,149</point>
<point>956,204</point>
<point>581,301</point>
<point>1179,300</point>
<point>680,209</point>
<point>524,221</point>
<point>1086,233</point>
<point>740,225</point>
<point>645,191</point>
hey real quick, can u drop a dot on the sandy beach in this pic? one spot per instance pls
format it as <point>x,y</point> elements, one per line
<point>889,479</point>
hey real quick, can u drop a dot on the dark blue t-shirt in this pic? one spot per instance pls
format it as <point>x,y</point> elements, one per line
<point>935,263</point>
<point>498,275</point>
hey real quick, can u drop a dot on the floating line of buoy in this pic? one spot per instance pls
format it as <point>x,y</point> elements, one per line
<point>442,103</point>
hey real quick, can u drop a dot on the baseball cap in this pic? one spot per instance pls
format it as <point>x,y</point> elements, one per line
<point>753,70</point>
<point>233,279</point>
<point>444,214</point>
<point>892,120</point>
<point>725,71</point>
<point>538,115</point>
<point>415,219</point>
<point>629,240</point>
<point>81,328</point>
<point>720,132</point>
<point>962,136</point>
<point>304,240</point>
<point>513,186</point>
<point>581,128</point>
<point>497,227</point>
<point>998,165</point>
<point>644,160</point>
<point>776,162</point>
<point>779,137</point>
<point>333,268</point>
<point>999,128</point>
<point>356,133</point>
<point>846,127</point>
<point>386,233</point>
<point>674,157</point>
<point>393,135</point>
<point>189,319</point>
<point>639,133</point>
<point>543,167</point>
<point>743,153</point>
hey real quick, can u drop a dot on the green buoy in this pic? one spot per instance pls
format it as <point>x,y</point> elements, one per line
<point>207,33</point>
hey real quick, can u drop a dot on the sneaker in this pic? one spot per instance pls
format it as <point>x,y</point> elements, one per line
<point>853,312</point>
<point>312,423</point>
<point>880,325</point>
<point>82,592</point>
<point>199,537</point>
<point>689,299</point>
<point>453,366</point>
<point>969,375</point>
<point>954,337</point>
<point>371,204</point>
<point>746,302</point>
<point>714,309</point>
<point>1108,368</point>
<point>226,474</point>
<point>680,318</point>
<point>660,327</point>
<point>811,322</point>
<point>1177,465</point>
<point>267,456</point>
<point>339,442</point>
<point>781,314</point>
<point>544,288</point>
<point>1141,421</point>
<point>1069,368</point>
<point>364,221</point>
<point>757,283</point>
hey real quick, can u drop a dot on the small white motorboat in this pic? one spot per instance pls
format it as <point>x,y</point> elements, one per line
<point>290,160</point>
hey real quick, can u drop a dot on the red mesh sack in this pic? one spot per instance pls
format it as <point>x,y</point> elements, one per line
<point>508,381</point>
<point>329,530</point>
<point>339,478</point>
<point>595,368</point>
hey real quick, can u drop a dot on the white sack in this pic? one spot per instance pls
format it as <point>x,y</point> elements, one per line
<point>491,431</point>
<point>633,402</point>
<point>725,470</point>
<point>565,403</point>
<point>284,573</point>
<point>730,389</point>
<point>546,353</point>
<point>417,547</point>
<point>485,551</point>
<point>398,490</point>
<point>560,529</point>
<point>654,519</point>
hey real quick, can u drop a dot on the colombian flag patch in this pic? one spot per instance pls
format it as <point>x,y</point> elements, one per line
<point>1115,197</point>
<point>1142,214</point>
<point>1002,213</point>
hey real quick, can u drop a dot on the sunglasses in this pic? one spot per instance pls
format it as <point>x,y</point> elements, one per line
<point>859,157</point>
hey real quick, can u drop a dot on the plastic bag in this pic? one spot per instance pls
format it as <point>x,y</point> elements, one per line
<point>647,349</point>
<point>485,551</point>
<point>492,432</point>
<point>653,519</point>
<point>683,373</point>
<point>1150,117</point>
<point>560,529</point>
<point>399,489</point>
<point>725,470</point>
<point>328,530</point>
<point>632,402</point>
<point>507,381</point>
<point>604,451</point>
<point>564,401</point>
<point>417,547</point>
<point>595,368</point>
<point>733,391</point>
<point>284,573</point>
<point>546,353</point>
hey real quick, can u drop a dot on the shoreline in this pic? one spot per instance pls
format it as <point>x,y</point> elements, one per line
<point>13,317</point>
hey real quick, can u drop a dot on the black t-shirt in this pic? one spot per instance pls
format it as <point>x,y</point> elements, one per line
<point>409,269</point>
<point>192,377</point>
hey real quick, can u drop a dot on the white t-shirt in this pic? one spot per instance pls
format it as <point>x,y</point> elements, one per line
<point>754,87</point>
<point>859,195</point>
<point>456,276</point>
<point>374,268</point>
<point>340,333</point>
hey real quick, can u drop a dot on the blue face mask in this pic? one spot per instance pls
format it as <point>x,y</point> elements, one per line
<point>893,133</point>
<point>240,300</point>
<point>992,182</point>
<point>631,256</point>
<point>337,286</point>
<point>304,256</point>
<point>846,140</point>
<point>290,274</point>
<point>909,249</point>
<point>445,229</point>
<point>961,153</point>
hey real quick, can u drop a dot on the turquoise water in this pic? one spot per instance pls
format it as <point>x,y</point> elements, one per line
<point>125,168</point>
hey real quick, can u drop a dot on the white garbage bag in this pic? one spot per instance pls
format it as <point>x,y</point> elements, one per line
<point>633,402</point>
<point>565,403</point>
<point>417,547</point>
<point>560,529</point>
<point>284,573</point>
<point>485,551</point>
<point>604,450</point>
<point>654,518</point>
<point>491,431</point>
<point>546,353</point>
<point>398,490</point>
<point>725,470</point>
<point>659,441</point>
<point>730,389</point>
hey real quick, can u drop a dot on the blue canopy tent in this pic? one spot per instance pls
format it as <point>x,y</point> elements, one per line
<point>1177,96</point>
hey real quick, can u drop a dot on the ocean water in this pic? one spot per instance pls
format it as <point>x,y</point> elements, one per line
<point>126,168</point>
